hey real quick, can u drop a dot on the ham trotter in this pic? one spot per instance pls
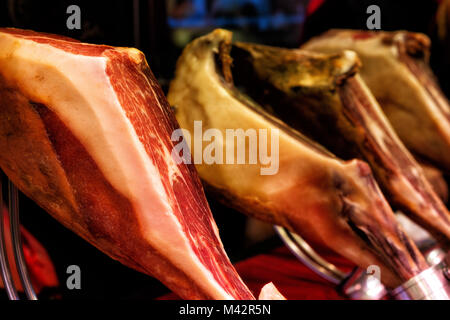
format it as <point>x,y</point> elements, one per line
<point>395,68</point>
<point>85,132</point>
<point>324,97</point>
<point>314,194</point>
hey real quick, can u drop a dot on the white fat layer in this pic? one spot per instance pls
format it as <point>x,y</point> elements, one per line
<point>78,90</point>
<point>270,292</point>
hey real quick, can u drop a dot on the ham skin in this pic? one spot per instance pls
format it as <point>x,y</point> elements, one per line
<point>395,68</point>
<point>324,199</point>
<point>324,96</point>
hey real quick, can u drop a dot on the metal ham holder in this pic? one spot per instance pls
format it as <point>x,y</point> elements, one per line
<point>15,240</point>
<point>431,284</point>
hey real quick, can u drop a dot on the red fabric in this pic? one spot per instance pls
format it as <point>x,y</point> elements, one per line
<point>293,279</point>
<point>40,267</point>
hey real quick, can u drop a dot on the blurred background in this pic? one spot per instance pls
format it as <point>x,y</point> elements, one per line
<point>161,29</point>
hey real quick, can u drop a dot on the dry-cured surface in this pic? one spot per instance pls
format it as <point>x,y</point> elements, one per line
<point>323,96</point>
<point>85,132</point>
<point>395,68</point>
<point>313,193</point>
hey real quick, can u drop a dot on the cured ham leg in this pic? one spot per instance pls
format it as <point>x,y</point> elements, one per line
<point>324,199</point>
<point>324,97</point>
<point>85,132</point>
<point>395,68</point>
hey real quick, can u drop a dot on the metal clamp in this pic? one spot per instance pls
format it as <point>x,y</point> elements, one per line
<point>431,284</point>
<point>15,240</point>
<point>357,284</point>
<point>303,251</point>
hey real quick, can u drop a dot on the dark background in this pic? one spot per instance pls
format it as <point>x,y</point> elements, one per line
<point>161,29</point>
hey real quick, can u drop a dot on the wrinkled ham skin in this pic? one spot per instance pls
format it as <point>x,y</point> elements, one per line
<point>324,97</point>
<point>431,212</point>
<point>314,194</point>
<point>378,227</point>
<point>51,166</point>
